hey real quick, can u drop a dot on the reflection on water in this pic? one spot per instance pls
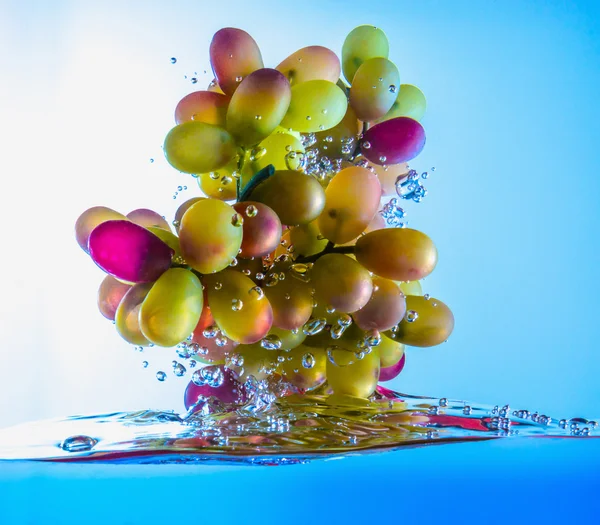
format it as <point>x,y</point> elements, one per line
<point>291,429</point>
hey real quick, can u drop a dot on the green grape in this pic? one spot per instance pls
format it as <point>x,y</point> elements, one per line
<point>400,254</point>
<point>110,294</point>
<point>340,282</point>
<point>198,147</point>
<point>91,218</point>
<point>233,56</point>
<point>311,63</point>
<point>292,302</point>
<point>297,198</point>
<point>347,374</point>
<point>241,311</point>
<point>258,106</point>
<point>127,316</point>
<point>219,184</point>
<point>388,175</point>
<point>361,44</point>
<point>304,367</point>
<point>288,338</point>
<point>334,143</point>
<point>352,199</point>
<point>147,218</point>
<point>374,88</point>
<point>275,150</point>
<point>316,105</point>
<point>390,351</point>
<point>428,322</point>
<point>255,361</point>
<point>410,287</point>
<point>172,308</point>
<point>210,235</point>
<point>182,209</point>
<point>202,106</point>
<point>307,239</point>
<point>385,308</point>
<point>170,239</point>
<point>410,102</point>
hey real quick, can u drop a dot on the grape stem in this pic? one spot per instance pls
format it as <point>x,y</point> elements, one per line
<point>357,149</point>
<point>330,248</point>
<point>257,178</point>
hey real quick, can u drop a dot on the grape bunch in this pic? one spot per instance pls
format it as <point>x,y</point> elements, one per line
<point>284,267</point>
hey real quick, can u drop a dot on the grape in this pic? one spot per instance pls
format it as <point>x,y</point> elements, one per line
<point>390,351</point>
<point>316,105</point>
<point>377,223</point>
<point>304,367</point>
<point>209,235</point>
<point>341,282</point>
<point>127,315</point>
<point>219,184</point>
<point>311,63</point>
<point>334,142</point>
<point>409,103</point>
<point>374,88</point>
<point>291,301</point>
<point>252,321</point>
<point>401,254</point>
<point>91,218</point>
<point>288,338</point>
<point>295,197</point>
<point>350,375</point>
<point>258,106</point>
<point>388,175</point>
<point>249,267</point>
<point>390,372</point>
<point>307,239</point>
<point>182,209</point>
<point>208,351</point>
<point>428,322</point>
<point>172,308</point>
<point>393,141</point>
<point>410,287</point>
<point>198,147</point>
<point>129,252</point>
<point>261,229</point>
<point>276,148</point>
<point>256,361</point>
<point>352,199</point>
<point>233,56</point>
<point>110,294</point>
<point>229,392</point>
<point>385,308</point>
<point>147,218</point>
<point>361,44</point>
<point>202,106</point>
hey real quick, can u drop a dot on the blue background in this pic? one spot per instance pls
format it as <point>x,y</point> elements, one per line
<point>513,122</point>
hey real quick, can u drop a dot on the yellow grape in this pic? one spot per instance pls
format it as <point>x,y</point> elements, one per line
<point>262,229</point>
<point>410,287</point>
<point>377,223</point>
<point>428,322</point>
<point>410,102</point>
<point>274,149</point>
<point>110,294</point>
<point>241,311</point>
<point>169,238</point>
<point>385,308</point>
<point>219,184</point>
<point>210,235</point>
<point>304,367</point>
<point>352,199</point>
<point>202,106</point>
<point>292,302</point>
<point>255,361</point>
<point>233,56</point>
<point>390,351</point>
<point>148,218</point>
<point>400,254</point>
<point>91,218</point>
<point>297,198</point>
<point>288,338</point>
<point>311,63</point>
<point>374,88</point>
<point>388,175</point>
<point>307,239</point>
<point>198,147</point>
<point>316,105</point>
<point>172,308</point>
<point>347,374</point>
<point>331,142</point>
<point>361,44</point>
<point>185,206</point>
<point>127,316</point>
<point>341,282</point>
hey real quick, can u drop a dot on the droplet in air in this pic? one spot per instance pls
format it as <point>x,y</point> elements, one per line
<point>161,376</point>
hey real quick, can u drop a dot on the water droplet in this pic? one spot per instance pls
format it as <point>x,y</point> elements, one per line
<point>426,297</point>
<point>145,364</point>
<point>308,117</point>
<point>383,158</point>
<point>238,79</point>
<point>366,144</point>
<point>237,360</point>
<point>257,292</point>
<point>237,220</point>
<point>218,285</point>
<point>411,316</point>
<point>314,326</point>
<point>173,60</point>
<point>194,80</point>
<point>209,375</point>
<point>234,262</point>
<point>211,332</point>
<point>221,341</point>
<point>151,161</point>
<point>330,309</point>
<point>78,443</point>
<point>236,305</point>
<point>337,331</point>
<point>393,88</point>
<point>161,376</point>
<point>340,356</point>
<point>251,211</point>
<point>344,320</point>
<point>179,370</point>
<point>258,117</point>
<point>308,360</point>
<point>271,342</point>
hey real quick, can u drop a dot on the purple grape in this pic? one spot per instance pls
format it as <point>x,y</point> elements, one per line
<point>393,141</point>
<point>229,390</point>
<point>129,252</point>
<point>390,372</point>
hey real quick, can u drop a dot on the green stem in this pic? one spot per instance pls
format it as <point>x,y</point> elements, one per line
<point>240,167</point>
<point>330,248</point>
<point>257,178</point>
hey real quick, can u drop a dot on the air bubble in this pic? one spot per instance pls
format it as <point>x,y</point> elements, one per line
<point>314,326</point>
<point>173,60</point>
<point>251,211</point>
<point>271,342</point>
<point>411,316</point>
<point>78,443</point>
<point>179,370</point>
<point>161,376</point>
<point>308,360</point>
<point>236,305</point>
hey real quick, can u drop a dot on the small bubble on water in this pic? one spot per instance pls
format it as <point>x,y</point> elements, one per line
<point>161,376</point>
<point>78,443</point>
<point>236,305</point>
<point>411,316</point>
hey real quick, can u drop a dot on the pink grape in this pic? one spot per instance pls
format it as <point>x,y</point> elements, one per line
<point>393,141</point>
<point>390,372</point>
<point>230,391</point>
